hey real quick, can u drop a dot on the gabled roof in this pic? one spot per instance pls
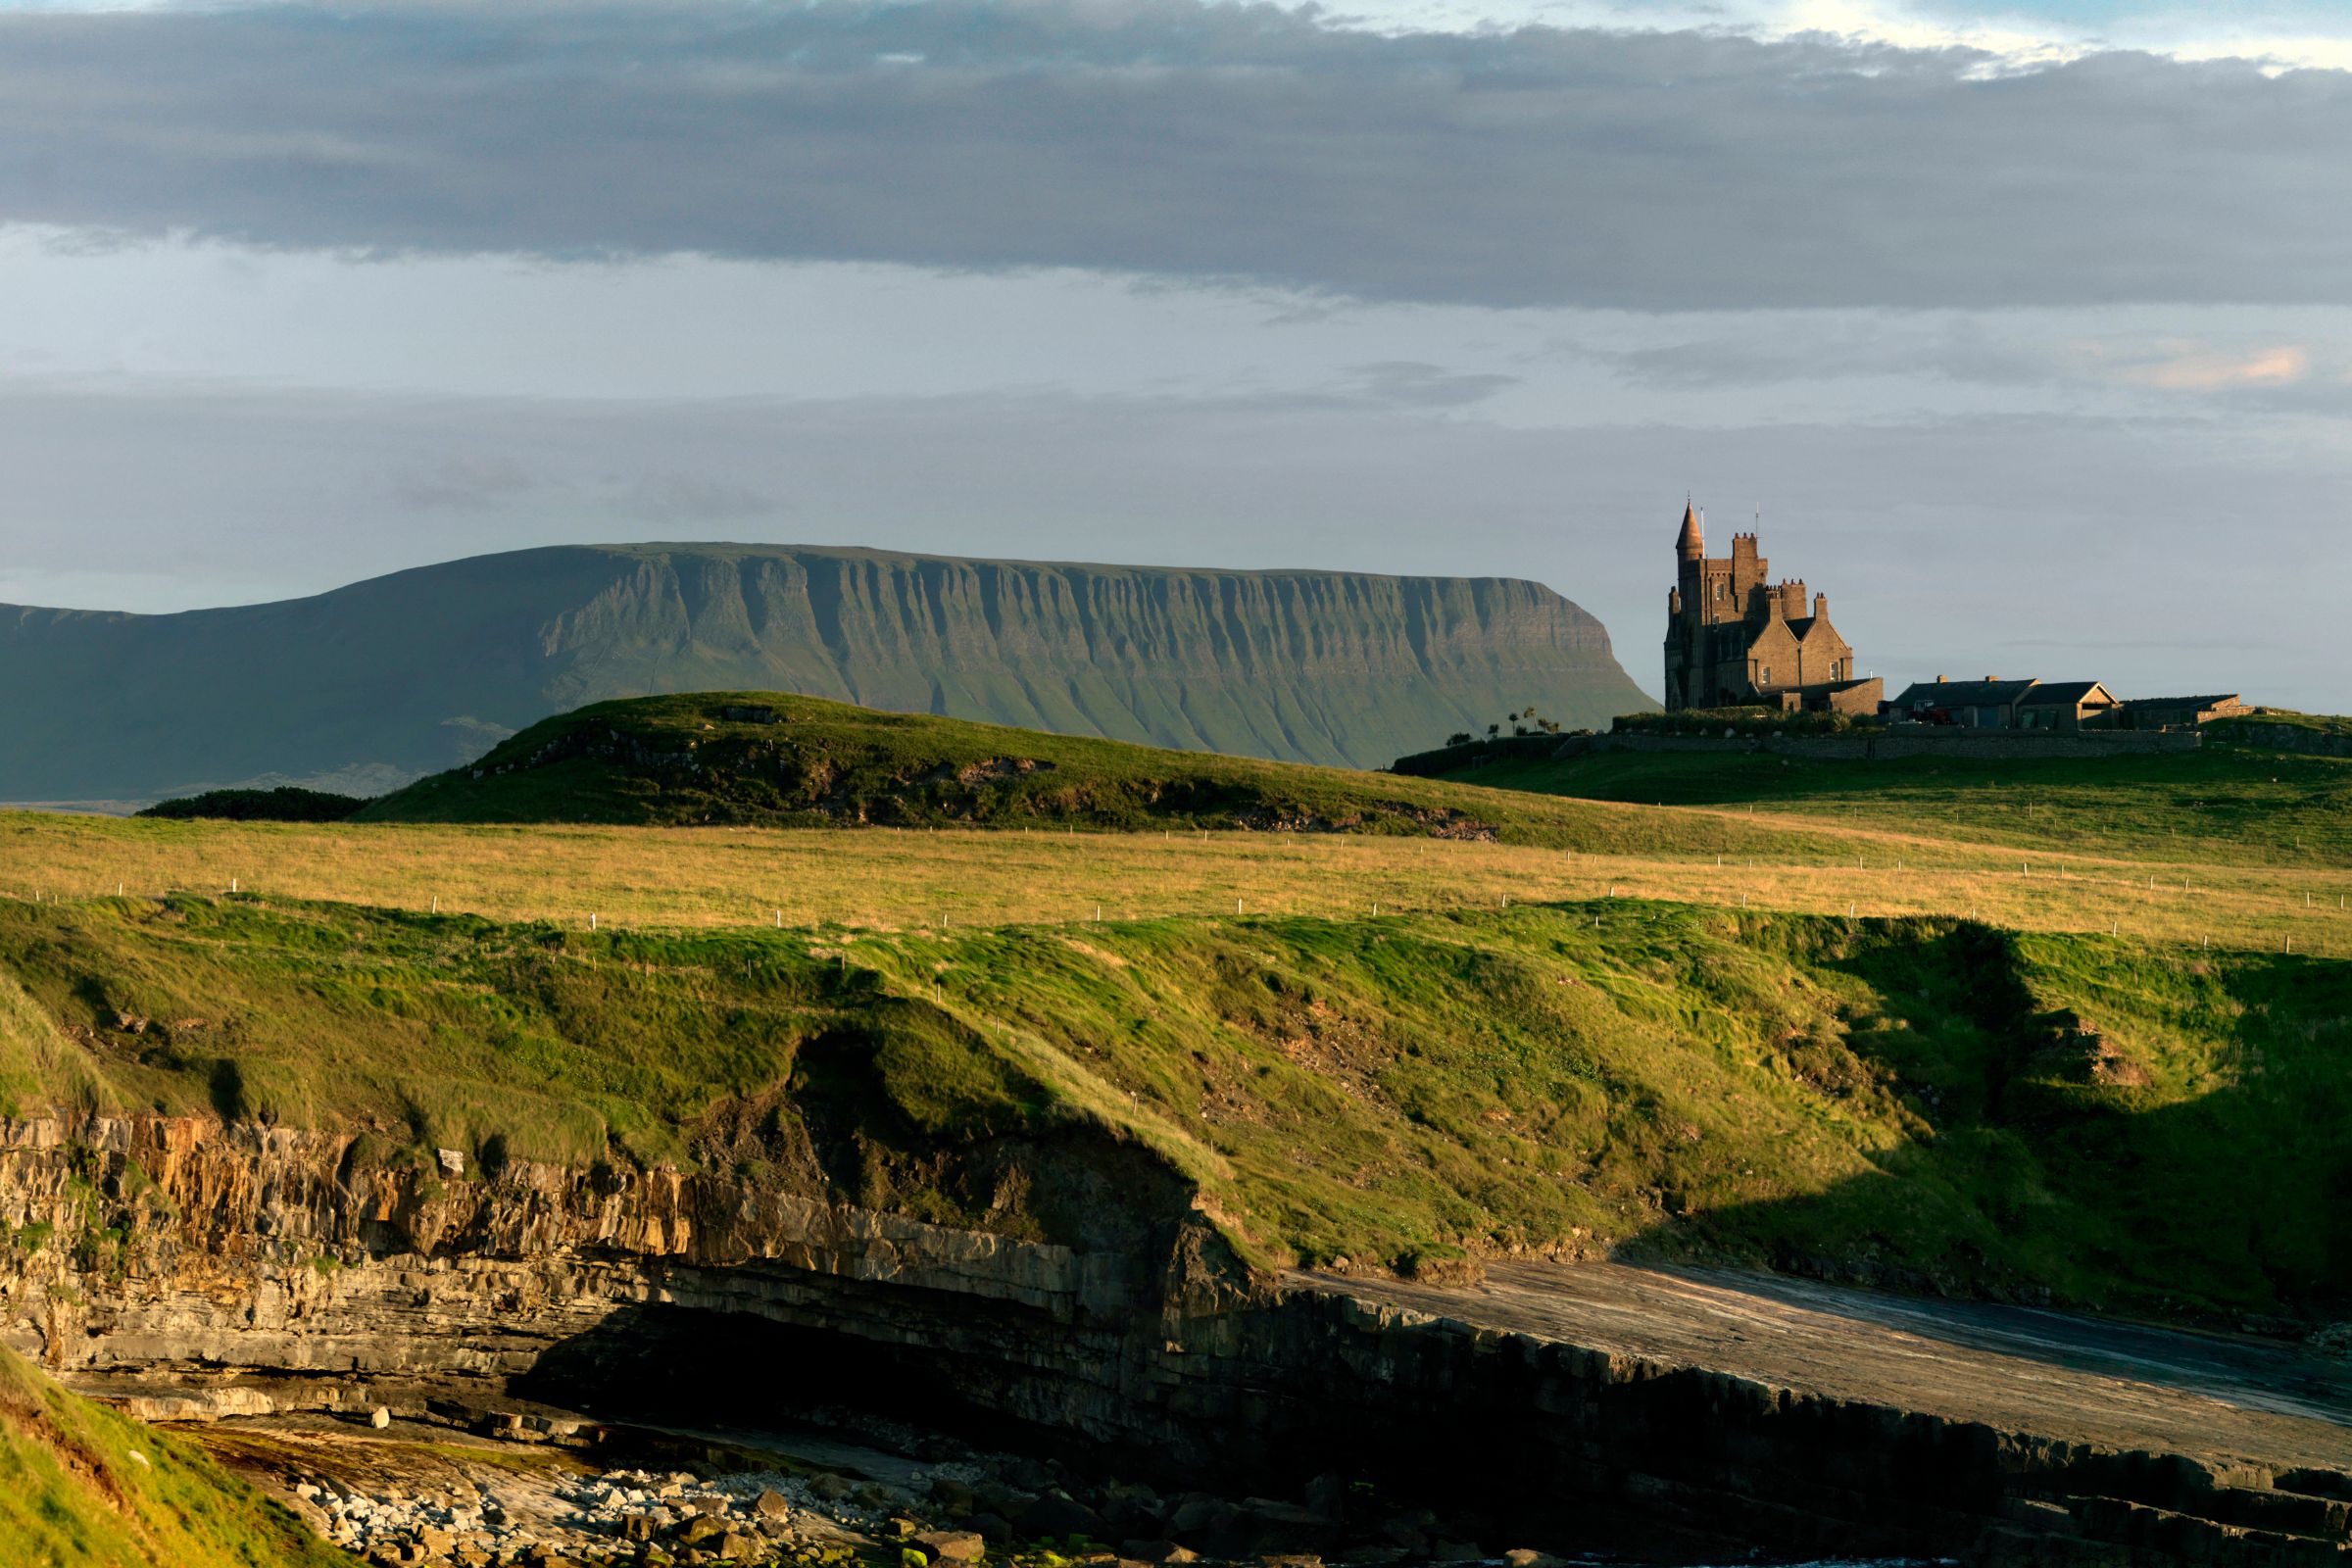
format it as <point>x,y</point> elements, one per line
<point>2214,701</point>
<point>1963,693</point>
<point>2064,694</point>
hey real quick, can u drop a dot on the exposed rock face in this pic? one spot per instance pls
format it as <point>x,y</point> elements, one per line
<point>382,681</point>
<point>183,1246</point>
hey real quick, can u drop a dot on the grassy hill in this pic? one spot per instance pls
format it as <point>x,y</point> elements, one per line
<point>81,1487</point>
<point>2226,801</point>
<point>2070,1118</point>
<point>405,674</point>
<point>774,760</point>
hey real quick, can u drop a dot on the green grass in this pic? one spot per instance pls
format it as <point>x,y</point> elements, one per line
<point>2222,804</point>
<point>81,1487</point>
<point>679,761</point>
<point>2079,1119</point>
<point>2225,729</point>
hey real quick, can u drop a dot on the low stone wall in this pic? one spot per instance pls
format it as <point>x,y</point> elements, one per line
<point>252,1249</point>
<point>2283,738</point>
<point>1980,745</point>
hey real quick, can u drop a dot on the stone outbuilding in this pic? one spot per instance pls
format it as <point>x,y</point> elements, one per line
<point>2068,705</point>
<point>1987,703</point>
<point>2180,712</point>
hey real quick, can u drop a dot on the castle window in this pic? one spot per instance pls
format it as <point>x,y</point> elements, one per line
<point>1767,674</point>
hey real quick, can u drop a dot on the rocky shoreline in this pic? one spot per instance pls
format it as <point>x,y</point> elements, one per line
<point>248,1271</point>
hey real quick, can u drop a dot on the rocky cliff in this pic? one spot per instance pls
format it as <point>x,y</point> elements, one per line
<point>198,1249</point>
<point>374,684</point>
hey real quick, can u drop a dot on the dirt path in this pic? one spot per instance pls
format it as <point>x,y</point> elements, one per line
<point>2046,1373</point>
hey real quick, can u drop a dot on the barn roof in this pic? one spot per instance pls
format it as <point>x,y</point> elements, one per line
<point>1963,693</point>
<point>2063,694</point>
<point>2214,701</point>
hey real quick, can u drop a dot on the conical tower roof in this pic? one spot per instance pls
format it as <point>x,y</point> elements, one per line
<point>1690,542</point>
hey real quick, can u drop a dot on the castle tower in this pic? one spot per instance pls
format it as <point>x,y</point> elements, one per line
<point>1691,543</point>
<point>1736,636</point>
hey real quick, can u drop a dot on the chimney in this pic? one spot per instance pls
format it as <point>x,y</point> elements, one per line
<point>1821,607</point>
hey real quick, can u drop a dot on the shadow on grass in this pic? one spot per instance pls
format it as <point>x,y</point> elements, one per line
<point>2062,1158</point>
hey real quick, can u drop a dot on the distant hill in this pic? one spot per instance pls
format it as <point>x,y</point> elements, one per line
<point>778,759</point>
<point>370,686</point>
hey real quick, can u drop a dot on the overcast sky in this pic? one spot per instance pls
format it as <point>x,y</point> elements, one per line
<point>2028,329</point>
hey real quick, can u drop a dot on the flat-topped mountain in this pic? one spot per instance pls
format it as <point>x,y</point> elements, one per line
<point>380,682</point>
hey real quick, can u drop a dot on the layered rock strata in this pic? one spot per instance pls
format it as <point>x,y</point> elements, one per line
<point>186,1249</point>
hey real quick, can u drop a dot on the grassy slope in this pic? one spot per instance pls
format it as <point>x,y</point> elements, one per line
<point>674,760</point>
<point>83,1486</point>
<point>2222,804</point>
<point>1918,1098</point>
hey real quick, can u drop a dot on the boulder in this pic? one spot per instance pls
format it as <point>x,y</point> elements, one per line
<point>1061,1516</point>
<point>952,1546</point>
<point>771,1504</point>
<point>830,1487</point>
<point>1006,1502</point>
<point>699,1529</point>
<point>1199,1514</point>
<point>1523,1557</point>
<point>1159,1551</point>
<point>379,1418</point>
<point>740,1546</point>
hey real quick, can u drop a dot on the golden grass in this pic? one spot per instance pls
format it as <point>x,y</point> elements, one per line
<point>898,880</point>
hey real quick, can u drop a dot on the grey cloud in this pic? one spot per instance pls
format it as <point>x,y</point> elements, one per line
<point>1412,384</point>
<point>692,498</point>
<point>1538,166</point>
<point>1822,346</point>
<point>461,481</point>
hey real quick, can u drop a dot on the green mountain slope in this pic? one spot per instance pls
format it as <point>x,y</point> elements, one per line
<point>374,684</point>
<point>2097,1122</point>
<point>81,1487</point>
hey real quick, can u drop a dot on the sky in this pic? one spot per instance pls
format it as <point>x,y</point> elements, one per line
<point>2023,332</point>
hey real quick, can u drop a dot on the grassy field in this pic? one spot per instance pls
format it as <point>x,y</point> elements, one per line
<point>81,1487</point>
<point>2222,805</point>
<point>912,879</point>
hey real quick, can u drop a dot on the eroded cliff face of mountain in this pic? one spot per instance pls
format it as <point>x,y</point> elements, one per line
<point>380,682</point>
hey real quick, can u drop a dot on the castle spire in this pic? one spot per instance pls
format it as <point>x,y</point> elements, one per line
<point>1690,544</point>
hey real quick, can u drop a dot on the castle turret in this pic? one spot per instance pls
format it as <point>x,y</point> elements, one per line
<point>1690,544</point>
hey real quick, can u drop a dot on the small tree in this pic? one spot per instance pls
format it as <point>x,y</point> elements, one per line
<point>1494,730</point>
<point>1460,737</point>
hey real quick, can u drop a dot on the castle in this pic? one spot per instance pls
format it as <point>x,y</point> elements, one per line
<point>1735,639</point>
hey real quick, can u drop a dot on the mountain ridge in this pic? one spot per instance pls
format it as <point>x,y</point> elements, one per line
<point>387,679</point>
